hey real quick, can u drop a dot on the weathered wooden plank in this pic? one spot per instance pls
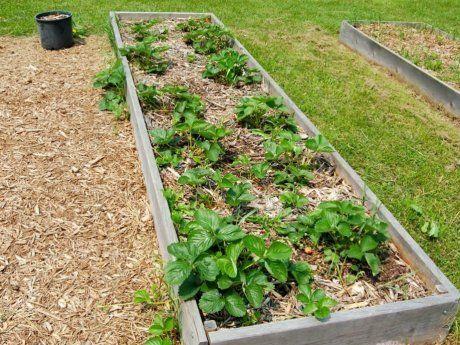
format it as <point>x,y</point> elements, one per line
<point>432,87</point>
<point>422,321</point>
<point>417,321</point>
<point>192,330</point>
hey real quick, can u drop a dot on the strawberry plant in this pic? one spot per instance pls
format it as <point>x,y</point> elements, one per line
<point>293,199</point>
<point>252,111</point>
<point>239,194</point>
<point>315,302</point>
<point>185,103</point>
<point>148,95</point>
<point>319,144</point>
<point>206,38</point>
<point>227,266</point>
<point>148,58</point>
<point>229,67</point>
<point>112,81</point>
<point>142,31</point>
<point>161,331</point>
<point>260,170</point>
<point>194,177</point>
<point>347,230</point>
<point>194,24</point>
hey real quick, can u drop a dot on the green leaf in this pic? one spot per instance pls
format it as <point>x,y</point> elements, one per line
<point>277,269</point>
<point>255,294</point>
<point>224,282</point>
<point>255,245</point>
<point>207,268</point>
<point>301,272</point>
<point>417,209</point>
<point>234,305</point>
<point>434,230</point>
<point>355,252</point>
<point>142,296</point>
<point>202,239</point>
<point>207,219</point>
<point>156,329</point>
<point>234,250</point>
<point>260,170</point>
<point>322,313</point>
<point>373,262</point>
<point>368,243</point>
<point>212,302</point>
<point>177,271</point>
<point>230,233</point>
<point>227,267</point>
<point>279,251</point>
<point>180,250</point>
<point>309,308</point>
<point>319,144</point>
<point>190,287</point>
<point>169,324</point>
<point>154,341</point>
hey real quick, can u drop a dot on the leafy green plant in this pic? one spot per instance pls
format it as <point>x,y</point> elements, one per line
<point>315,302</point>
<point>239,194</point>
<point>252,111</point>
<point>164,137</point>
<point>194,177</point>
<point>206,38</point>
<point>142,31</point>
<point>229,67</point>
<point>227,266</point>
<point>319,144</point>
<point>148,95</point>
<point>186,103</point>
<point>347,230</point>
<point>260,170</point>
<point>293,199</point>
<point>194,24</point>
<point>148,58</point>
<point>241,160</point>
<point>112,81</point>
<point>293,174</point>
<point>224,181</point>
<point>161,330</point>
<point>428,226</point>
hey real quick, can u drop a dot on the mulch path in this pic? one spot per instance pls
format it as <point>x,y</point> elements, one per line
<point>76,236</point>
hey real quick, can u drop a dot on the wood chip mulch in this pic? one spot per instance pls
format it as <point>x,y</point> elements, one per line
<point>76,236</point>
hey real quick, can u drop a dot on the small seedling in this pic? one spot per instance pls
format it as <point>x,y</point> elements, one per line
<point>315,302</point>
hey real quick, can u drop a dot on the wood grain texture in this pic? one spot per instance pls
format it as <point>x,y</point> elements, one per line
<point>422,321</point>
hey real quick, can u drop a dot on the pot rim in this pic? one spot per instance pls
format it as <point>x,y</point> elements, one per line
<point>39,16</point>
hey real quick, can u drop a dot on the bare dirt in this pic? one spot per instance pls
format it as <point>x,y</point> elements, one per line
<point>76,237</point>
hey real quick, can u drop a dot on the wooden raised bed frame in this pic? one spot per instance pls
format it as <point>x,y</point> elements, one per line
<point>417,321</point>
<point>432,87</point>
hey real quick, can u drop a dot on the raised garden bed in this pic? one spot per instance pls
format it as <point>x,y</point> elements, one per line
<point>402,298</point>
<point>424,56</point>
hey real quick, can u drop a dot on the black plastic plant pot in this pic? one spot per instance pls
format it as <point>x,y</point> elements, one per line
<point>55,29</point>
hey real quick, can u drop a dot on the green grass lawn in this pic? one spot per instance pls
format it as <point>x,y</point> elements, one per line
<point>403,147</point>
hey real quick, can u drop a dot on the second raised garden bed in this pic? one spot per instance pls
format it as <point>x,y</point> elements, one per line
<point>361,36</point>
<point>292,229</point>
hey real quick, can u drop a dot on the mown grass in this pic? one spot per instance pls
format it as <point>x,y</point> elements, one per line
<point>404,148</point>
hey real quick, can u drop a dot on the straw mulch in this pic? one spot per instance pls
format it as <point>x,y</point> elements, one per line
<point>76,237</point>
